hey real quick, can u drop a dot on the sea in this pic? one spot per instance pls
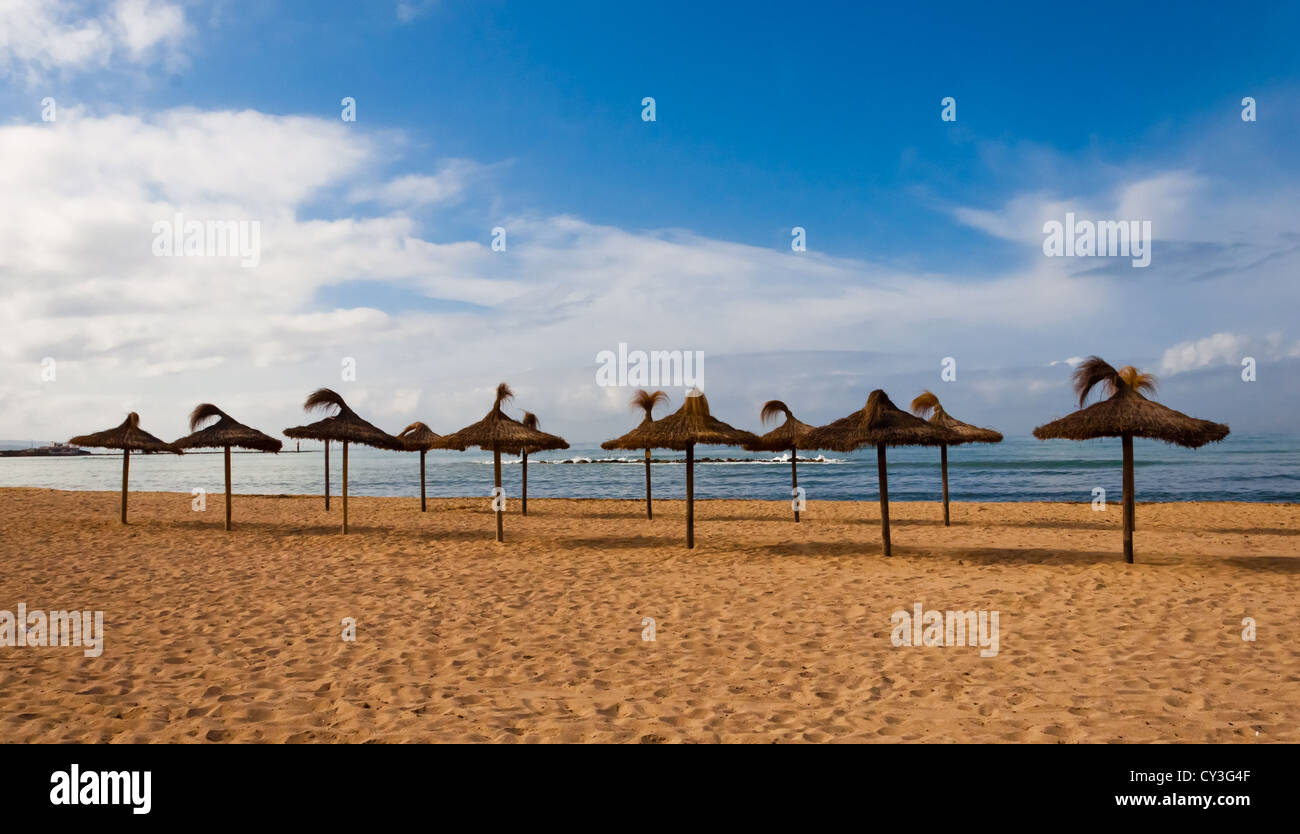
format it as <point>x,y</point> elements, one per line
<point>1264,468</point>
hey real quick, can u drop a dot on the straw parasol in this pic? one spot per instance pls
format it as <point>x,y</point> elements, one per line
<point>126,437</point>
<point>879,423</point>
<point>646,401</point>
<point>344,426</point>
<point>1127,414</point>
<point>682,430</point>
<point>224,434</point>
<point>927,404</point>
<point>530,421</point>
<point>498,433</point>
<point>418,437</point>
<point>789,435</point>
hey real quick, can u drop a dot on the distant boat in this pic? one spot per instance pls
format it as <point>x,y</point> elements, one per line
<point>52,450</point>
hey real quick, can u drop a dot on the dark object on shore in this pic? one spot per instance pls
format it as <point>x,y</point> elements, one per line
<point>127,437</point>
<point>54,450</point>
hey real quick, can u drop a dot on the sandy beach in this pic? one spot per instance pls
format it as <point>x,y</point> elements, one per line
<point>767,631</point>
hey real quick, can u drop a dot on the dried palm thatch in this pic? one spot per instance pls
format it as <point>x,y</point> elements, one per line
<point>1127,414</point>
<point>879,423</point>
<point>418,437</point>
<point>682,430</point>
<point>927,404</point>
<point>687,426</point>
<point>1125,411</point>
<point>789,435</point>
<point>646,401</point>
<point>344,426</point>
<point>224,434</point>
<point>549,441</point>
<point>498,433</point>
<point>128,437</point>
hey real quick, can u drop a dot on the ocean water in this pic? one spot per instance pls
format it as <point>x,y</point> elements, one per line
<point>1242,468</point>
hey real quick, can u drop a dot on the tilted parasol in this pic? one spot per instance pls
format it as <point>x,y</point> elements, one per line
<point>224,434</point>
<point>646,401</point>
<point>344,426</point>
<point>1127,414</point>
<point>789,435</point>
<point>879,423</point>
<point>128,437</point>
<point>687,426</point>
<point>530,421</point>
<point>498,433</point>
<point>418,437</point>
<point>927,404</point>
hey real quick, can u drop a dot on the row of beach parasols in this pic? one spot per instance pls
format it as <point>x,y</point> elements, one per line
<point>1125,412</point>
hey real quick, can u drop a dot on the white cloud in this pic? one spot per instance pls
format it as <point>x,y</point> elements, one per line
<point>81,285</point>
<point>1224,349</point>
<point>40,37</point>
<point>417,190</point>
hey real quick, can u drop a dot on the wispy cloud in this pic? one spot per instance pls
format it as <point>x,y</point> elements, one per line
<point>43,37</point>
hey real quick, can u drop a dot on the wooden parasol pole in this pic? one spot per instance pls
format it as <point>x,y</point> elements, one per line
<point>1128,498</point>
<point>690,495</point>
<point>649,513</point>
<point>794,478</point>
<point>496,471</point>
<point>943,459</point>
<point>884,497</point>
<point>227,487</point>
<point>126,467</point>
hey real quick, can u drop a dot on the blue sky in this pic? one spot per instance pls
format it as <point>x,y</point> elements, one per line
<point>924,236</point>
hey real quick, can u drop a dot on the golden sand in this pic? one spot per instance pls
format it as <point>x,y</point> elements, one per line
<point>767,631</point>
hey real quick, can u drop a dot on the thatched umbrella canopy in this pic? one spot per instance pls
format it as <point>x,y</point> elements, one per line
<point>789,435</point>
<point>879,423</point>
<point>927,404</point>
<point>344,426</point>
<point>1127,414</point>
<point>224,434</point>
<point>552,442</point>
<point>418,437</point>
<point>127,437</point>
<point>646,401</point>
<point>682,430</point>
<point>498,433</point>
